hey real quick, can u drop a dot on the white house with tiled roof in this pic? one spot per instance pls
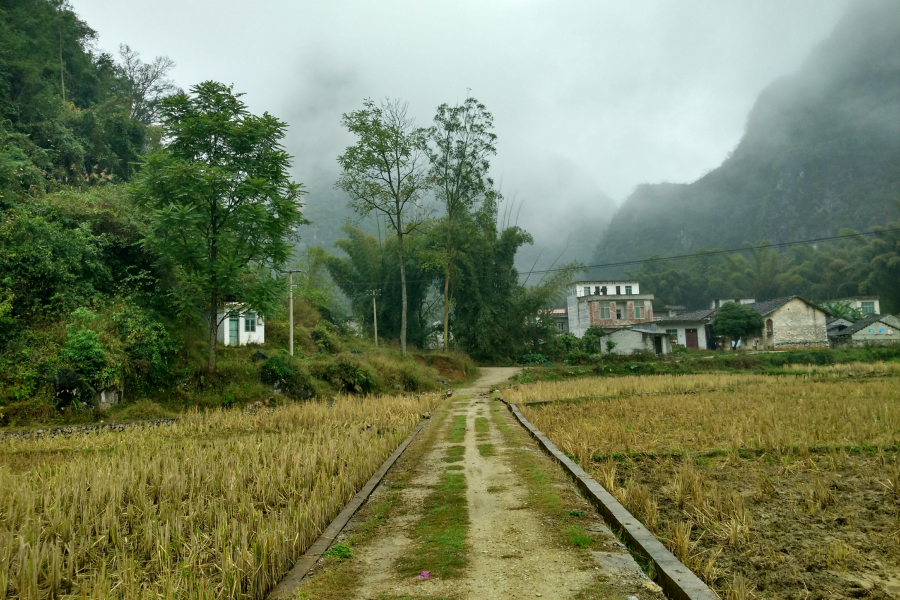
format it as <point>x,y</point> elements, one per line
<point>686,328</point>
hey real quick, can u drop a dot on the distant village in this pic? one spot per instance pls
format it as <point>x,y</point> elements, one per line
<point>791,322</point>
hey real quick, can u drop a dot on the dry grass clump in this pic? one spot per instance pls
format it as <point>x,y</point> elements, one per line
<point>854,369</point>
<point>217,505</point>
<point>742,412</point>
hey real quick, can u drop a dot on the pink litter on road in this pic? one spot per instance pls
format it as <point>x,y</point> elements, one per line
<point>424,575</point>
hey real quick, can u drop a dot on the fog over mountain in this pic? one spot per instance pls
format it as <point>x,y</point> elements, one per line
<point>589,99</point>
<point>821,153</point>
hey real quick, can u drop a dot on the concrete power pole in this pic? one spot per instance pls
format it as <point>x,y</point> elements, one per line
<point>291,310</point>
<point>375,314</point>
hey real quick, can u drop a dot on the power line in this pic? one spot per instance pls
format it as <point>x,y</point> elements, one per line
<point>659,258</point>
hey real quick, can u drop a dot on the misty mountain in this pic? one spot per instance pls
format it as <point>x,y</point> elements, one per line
<point>821,152</point>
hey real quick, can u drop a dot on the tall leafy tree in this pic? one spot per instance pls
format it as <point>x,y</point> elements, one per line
<point>223,207</point>
<point>384,173</point>
<point>737,320</point>
<point>496,317</point>
<point>459,146</point>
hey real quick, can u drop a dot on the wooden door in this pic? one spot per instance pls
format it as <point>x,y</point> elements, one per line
<point>233,339</point>
<point>690,338</point>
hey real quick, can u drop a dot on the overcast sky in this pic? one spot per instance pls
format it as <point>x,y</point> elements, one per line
<point>588,97</point>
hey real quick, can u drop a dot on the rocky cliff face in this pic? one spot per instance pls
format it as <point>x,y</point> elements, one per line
<point>821,152</point>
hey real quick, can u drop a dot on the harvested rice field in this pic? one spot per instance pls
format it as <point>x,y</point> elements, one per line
<point>784,486</point>
<point>216,505</point>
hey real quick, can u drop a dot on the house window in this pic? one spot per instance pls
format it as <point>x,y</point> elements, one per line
<point>628,289</point>
<point>868,308</point>
<point>618,290</point>
<point>604,310</point>
<point>639,309</point>
<point>560,326</point>
<point>250,322</point>
<point>618,314</point>
<point>672,333</point>
<point>587,290</point>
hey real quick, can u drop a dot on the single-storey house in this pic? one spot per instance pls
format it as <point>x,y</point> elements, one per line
<point>874,330</point>
<point>635,339</point>
<point>790,322</point>
<point>688,329</point>
<point>239,327</point>
<point>606,304</point>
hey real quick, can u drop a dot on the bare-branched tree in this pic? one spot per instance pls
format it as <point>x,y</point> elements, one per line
<point>147,83</point>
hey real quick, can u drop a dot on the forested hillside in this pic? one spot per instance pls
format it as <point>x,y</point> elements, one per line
<point>138,220</point>
<point>821,153</point>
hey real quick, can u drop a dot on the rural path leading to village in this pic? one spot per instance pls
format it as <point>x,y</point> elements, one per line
<point>525,532</point>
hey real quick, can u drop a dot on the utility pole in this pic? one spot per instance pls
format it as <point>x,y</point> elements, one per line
<point>375,314</point>
<point>291,309</point>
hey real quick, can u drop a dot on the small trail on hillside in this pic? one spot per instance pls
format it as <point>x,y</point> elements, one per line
<point>475,503</point>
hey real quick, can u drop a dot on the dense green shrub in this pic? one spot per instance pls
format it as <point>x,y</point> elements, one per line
<point>345,374</point>
<point>592,341</point>
<point>325,337</point>
<point>85,354</point>
<point>534,359</point>
<point>285,375</point>
<point>148,345</point>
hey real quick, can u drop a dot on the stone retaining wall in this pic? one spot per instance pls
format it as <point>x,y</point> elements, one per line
<point>53,432</point>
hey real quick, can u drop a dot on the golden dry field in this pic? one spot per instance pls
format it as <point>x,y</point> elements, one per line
<point>217,505</point>
<point>769,486</point>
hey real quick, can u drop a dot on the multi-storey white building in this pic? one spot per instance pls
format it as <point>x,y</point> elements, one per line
<point>607,304</point>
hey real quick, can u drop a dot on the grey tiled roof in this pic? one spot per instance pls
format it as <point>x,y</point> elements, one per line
<point>696,315</point>
<point>864,323</point>
<point>767,306</point>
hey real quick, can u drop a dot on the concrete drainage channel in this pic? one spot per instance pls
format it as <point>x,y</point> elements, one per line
<point>677,581</point>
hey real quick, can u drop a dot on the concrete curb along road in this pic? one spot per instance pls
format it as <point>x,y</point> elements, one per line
<point>676,580</point>
<point>304,565</point>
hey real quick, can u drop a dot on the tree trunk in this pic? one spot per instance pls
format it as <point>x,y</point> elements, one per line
<point>213,336</point>
<point>402,293</point>
<point>447,293</point>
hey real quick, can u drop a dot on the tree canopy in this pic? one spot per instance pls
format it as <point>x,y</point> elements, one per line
<point>221,204</point>
<point>737,320</point>
<point>384,173</point>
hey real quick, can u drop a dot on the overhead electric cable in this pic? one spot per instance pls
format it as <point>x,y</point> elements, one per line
<point>659,258</point>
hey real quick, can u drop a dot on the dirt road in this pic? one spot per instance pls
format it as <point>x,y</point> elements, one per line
<point>474,510</point>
